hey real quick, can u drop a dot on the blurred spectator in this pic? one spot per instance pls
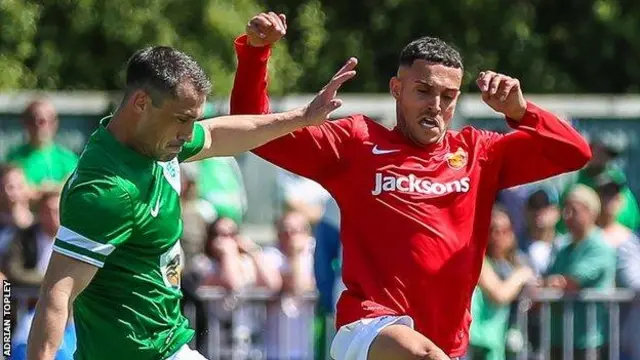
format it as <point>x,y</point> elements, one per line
<point>290,318</point>
<point>232,261</point>
<point>293,255</point>
<point>609,187</point>
<point>15,213</point>
<point>327,257</point>
<point>197,214</point>
<point>327,268</point>
<point>44,162</point>
<point>584,261</point>
<point>605,151</point>
<point>542,214</point>
<point>504,273</point>
<point>628,276</point>
<point>302,195</point>
<point>15,196</point>
<point>514,201</point>
<point>30,249</point>
<point>220,184</point>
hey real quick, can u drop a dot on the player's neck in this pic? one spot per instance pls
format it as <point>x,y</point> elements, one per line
<point>120,128</point>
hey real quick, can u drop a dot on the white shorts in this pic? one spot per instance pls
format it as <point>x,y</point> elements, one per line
<point>352,341</point>
<point>185,353</point>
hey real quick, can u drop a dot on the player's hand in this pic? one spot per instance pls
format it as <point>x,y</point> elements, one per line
<point>503,94</point>
<point>266,28</point>
<point>325,101</point>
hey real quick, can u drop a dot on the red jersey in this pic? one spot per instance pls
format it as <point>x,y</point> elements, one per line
<point>414,220</point>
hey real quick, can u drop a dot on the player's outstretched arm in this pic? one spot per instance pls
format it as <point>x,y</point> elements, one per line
<point>312,152</point>
<point>543,145</point>
<point>65,279</point>
<point>249,93</point>
<point>231,135</point>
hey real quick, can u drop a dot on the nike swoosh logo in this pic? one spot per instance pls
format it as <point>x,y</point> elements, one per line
<point>377,151</point>
<point>154,211</point>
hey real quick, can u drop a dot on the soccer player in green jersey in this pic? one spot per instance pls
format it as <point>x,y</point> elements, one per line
<point>117,259</point>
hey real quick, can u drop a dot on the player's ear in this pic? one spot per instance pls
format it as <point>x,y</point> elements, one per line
<point>140,101</point>
<point>394,87</point>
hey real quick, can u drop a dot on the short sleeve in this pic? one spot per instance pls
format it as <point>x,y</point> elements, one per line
<point>194,146</point>
<point>592,267</point>
<point>95,218</point>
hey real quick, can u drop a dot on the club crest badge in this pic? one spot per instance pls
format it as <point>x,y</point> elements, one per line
<point>458,159</point>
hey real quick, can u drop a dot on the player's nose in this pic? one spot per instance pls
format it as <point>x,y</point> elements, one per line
<point>433,105</point>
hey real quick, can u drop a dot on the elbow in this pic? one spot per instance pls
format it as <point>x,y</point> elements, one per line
<point>581,154</point>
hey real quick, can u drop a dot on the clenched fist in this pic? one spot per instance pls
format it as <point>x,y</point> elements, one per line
<point>503,94</point>
<point>266,29</point>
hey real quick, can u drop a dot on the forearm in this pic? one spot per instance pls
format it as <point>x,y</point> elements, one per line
<point>266,275</point>
<point>544,140</point>
<point>507,291</point>
<point>47,329</point>
<point>249,93</point>
<point>230,273</point>
<point>235,134</point>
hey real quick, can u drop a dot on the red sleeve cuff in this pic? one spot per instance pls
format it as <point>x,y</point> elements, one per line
<point>531,118</point>
<point>248,52</point>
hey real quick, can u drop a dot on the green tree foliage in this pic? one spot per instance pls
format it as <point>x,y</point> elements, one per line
<point>84,44</point>
<point>552,46</point>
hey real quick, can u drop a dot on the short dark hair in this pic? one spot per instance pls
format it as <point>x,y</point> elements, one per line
<point>431,49</point>
<point>159,70</point>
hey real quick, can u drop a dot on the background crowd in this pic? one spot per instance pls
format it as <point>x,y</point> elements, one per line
<point>573,232</point>
<point>570,233</point>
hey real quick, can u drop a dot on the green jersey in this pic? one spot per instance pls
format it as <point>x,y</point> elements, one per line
<point>592,263</point>
<point>50,164</point>
<point>120,211</point>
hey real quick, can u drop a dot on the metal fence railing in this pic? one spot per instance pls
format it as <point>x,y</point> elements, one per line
<point>257,324</point>
<point>589,301</point>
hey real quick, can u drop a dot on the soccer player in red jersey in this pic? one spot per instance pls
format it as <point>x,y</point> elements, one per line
<point>415,200</point>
